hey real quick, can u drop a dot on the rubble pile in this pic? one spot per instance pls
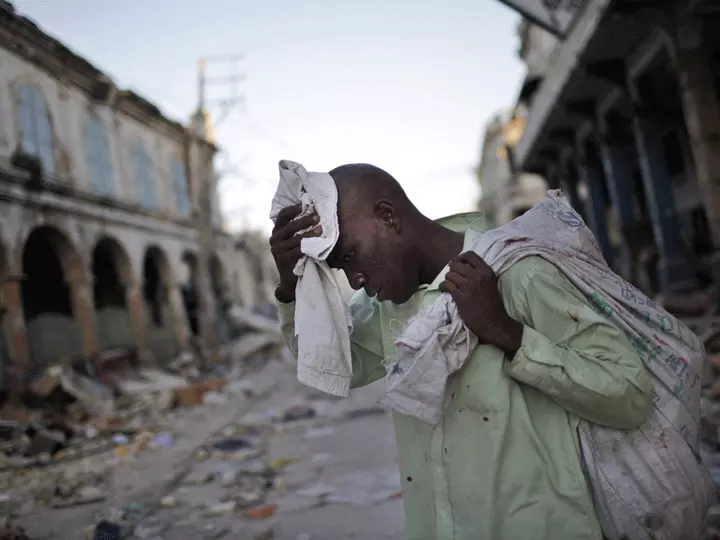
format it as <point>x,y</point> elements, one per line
<point>74,422</point>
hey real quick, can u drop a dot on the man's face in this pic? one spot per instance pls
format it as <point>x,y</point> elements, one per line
<point>376,257</point>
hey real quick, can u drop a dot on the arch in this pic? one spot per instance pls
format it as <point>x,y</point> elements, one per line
<point>50,265</point>
<point>97,154</point>
<point>112,274</point>
<point>36,135</point>
<point>162,330</point>
<point>111,269</point>
<point>156,279</point>
<point>145,174</point>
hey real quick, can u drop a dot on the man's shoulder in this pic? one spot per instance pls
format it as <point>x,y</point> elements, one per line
<point>526,269</point>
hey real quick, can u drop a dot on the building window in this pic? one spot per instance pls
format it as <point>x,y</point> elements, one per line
<point>97,152</point>
<point>36,132</point>
<point>145,177</point>
<point>180,186</point>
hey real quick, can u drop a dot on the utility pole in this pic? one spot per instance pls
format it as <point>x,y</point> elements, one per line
<point>207,324</point>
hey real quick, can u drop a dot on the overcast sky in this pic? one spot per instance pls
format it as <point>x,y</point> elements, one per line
<point>405,85</point>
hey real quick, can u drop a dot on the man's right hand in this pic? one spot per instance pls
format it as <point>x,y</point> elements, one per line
<point>285,247</point>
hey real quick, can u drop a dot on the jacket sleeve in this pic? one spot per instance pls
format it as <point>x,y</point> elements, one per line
<point>365,341</point>
<point>572,353</point>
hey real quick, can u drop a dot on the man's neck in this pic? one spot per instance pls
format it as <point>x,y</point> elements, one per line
<point>438,246</point>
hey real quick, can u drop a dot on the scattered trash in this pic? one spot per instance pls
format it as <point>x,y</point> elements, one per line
<point>298,412</point>
<point>10,532</point>
<point>197,478</point>
<point>106,531</point>
<point>202,455</point>
<point>168,502</point>
<point>142,440</point>
<point>221,508</point>
<point>233,444</point>
<point>163,439</point>
<point>120,439</point>
<point>214,398</point>
<point>281,463</point>
<point>262,512</point>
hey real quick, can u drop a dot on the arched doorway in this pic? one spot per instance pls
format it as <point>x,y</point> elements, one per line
<point>112,273</point>
<point>49,261</point>
<point>189,290</point>
<point>218,285</point>
<point>162,335</point>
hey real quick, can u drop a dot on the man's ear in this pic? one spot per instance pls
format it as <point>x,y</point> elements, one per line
<point>385,212</point>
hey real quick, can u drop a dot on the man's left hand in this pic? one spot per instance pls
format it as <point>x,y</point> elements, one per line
<point>473,285</point>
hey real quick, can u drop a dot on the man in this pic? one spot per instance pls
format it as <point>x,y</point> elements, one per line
<point>505,462</point>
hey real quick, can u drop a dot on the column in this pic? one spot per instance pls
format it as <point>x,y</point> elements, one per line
<point>590,172</point>
<point>675,269</point>
<point>14,326</point>
<point>567,181</point>
<point>702,116</point>
<point>177,308</point>
<point>619,174</point>
<point>136,307</point>
<point>84,311</point>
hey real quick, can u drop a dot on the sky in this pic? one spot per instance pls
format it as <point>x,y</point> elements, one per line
<point>406,85</point>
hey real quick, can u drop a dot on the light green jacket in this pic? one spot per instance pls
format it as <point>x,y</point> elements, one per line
<point>505,463</point>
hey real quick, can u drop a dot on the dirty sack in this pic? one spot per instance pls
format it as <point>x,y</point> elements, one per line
<point>322,318</point>
<point>646,483</point>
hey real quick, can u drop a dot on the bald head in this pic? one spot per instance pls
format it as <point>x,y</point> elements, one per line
<point>361,185</point>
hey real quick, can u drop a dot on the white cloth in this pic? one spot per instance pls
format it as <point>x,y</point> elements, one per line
<point>646,483</point>
<point>322,318</point>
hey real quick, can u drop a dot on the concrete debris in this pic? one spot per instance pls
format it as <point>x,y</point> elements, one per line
<point>97,398</point>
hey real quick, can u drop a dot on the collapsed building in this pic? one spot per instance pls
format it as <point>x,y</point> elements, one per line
<point>103,201</point>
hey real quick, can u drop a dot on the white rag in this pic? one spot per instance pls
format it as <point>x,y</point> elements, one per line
<point>646,483</point>
<point>322,318</point>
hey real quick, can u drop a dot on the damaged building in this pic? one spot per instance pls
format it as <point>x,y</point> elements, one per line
<point>621,109</point>
<point>101,198</point>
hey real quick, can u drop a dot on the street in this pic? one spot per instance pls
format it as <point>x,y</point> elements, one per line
<point>298,479</point>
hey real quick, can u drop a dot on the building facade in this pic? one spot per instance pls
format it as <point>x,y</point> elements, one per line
<point>625,117</point>
<point>504,195</point>
<point>100,212</point>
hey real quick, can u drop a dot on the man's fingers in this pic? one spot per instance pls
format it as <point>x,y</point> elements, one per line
<point>474,260</point>
<point>286,215</point>
<point>280,246</point>
<point>292,228</point>
<point>460,268</point>
<point>455,279</point>
<point>448,287</point>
